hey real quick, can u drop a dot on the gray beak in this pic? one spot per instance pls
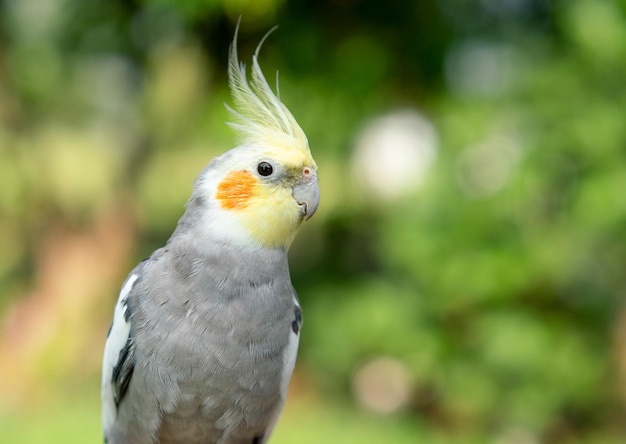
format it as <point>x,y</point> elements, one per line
<point>307,194</point>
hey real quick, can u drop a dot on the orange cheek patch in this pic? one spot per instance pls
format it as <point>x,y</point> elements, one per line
<point>236,189</point>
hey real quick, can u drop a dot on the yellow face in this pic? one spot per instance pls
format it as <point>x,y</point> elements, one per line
<point>264,205</point>
<point>262,195</point>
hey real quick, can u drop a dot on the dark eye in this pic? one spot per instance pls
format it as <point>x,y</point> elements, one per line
<point>265,169</point>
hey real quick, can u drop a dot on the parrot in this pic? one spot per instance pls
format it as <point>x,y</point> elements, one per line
<point>205,331</point>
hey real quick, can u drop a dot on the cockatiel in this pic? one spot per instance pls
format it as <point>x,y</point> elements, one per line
<point>205,331</point>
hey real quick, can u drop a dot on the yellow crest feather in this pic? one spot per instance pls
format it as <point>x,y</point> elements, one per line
<point>261,118</point>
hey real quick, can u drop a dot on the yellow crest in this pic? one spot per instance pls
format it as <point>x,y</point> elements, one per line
<point>261,118</point>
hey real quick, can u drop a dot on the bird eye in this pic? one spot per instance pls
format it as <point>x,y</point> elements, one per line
<point>265,169</point>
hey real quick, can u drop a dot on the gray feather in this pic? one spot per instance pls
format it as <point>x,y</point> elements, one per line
<point>208,332</point>
<point>205,332</point>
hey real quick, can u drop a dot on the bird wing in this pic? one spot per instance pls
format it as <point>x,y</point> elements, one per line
<point>289,362</point>
<point>119,361</point>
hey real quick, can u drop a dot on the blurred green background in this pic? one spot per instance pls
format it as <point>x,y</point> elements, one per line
<point>463,280</point>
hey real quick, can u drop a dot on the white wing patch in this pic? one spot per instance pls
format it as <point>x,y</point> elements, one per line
<point>289,359</point>
<point>116,340</point>
<point>289,362</point>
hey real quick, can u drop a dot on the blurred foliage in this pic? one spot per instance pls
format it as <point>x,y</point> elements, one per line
<point>497,282</point>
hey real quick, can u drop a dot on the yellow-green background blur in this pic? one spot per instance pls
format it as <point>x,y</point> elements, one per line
<point>464,278</point>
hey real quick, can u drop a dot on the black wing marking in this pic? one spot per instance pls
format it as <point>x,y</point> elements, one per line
<point>123,371</point>
<point>297,321</point>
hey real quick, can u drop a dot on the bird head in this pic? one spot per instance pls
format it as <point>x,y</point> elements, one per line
<point>261,191</point>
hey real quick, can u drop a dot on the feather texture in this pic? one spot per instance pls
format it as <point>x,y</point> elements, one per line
<point>205,333</point>
<point>260,116</point>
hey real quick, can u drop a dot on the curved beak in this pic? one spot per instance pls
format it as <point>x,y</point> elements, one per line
<point>307,194</point>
